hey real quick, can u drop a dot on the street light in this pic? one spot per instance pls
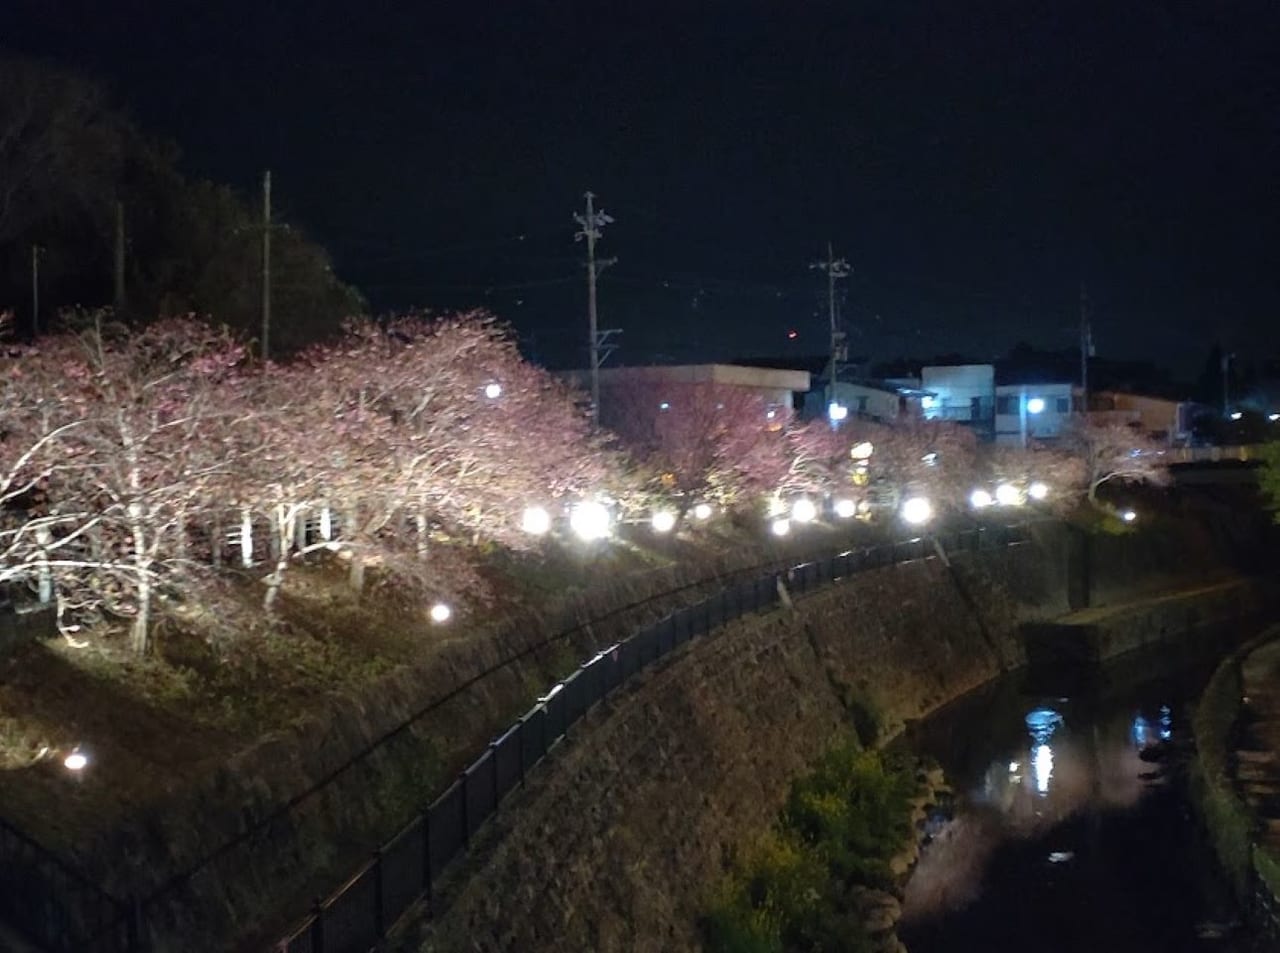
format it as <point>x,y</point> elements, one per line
<point>535,521</point>
<point>917,510</point>
<point>1035,405</point>
<point>441,613</point>
<point>493,391</point>
<point>979,499</point>
<point>590,521</point>
<point>702,511</point>
<point>1128,516</point>
<point>77,761</point>
<point>837,411</point>
<point>662,521</point>
<point>780,527</point>
<point>846,509</point>
<point>1236,415</point>
<point>1037,491</point>
<point>1007,495</point>
<point>803,510</point>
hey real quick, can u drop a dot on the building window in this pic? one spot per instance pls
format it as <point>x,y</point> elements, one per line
<point>1064,405</point>
<point>1006,404</point>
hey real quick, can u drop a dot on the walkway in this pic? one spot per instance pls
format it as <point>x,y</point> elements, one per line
<point>1258,744</point>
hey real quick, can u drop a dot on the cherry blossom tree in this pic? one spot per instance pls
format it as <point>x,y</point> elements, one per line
<point>1114,452</point>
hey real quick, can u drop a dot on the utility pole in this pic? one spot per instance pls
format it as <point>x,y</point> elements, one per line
<point>1086,347</point>
<point>119,258</point>
<point>35,290</point>
<point>1226,383</point>
<point>836,268</point>
<point>266,266</point>
<point>591,225</point>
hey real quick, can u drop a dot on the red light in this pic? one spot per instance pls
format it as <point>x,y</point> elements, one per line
<point>792,335</point>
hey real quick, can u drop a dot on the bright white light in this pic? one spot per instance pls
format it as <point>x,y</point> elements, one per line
<point>846,509</point>
<point>441,613</point>
<point>917,510</point>
<point>589,521</point>
<point>1035,405</point>
<point>771,414</point>
<point>1236,415</point>
<point>702,511</point>
<point>493,391</point>
<point>1014,767</point>
<point>862,451</point>
<point>535,521</point>
<point>1273,417</point>
<point>980,498</point>
<point>1042,767</point>
<point>803,510</point>
<point>837,411</point>
<point>76,761</point>
<point>928,401</point>
<point>1007,495</point>
<point>1037,491</point>
<point>662,521</point>
<point>930,459</point>
<point>664,406</point>
<point>1128,516</point>
<point>780,527</point>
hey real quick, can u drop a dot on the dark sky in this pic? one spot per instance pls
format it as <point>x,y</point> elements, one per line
<point>973,161</point>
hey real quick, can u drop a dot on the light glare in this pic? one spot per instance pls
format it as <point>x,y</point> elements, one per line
<point>441,613</point>
<point>1007,495</point>
<point>862,451</point>
<point>780,527</point>
<point>589,521</point>
<point>536,521</point>
<point>846,509</point>
<point>1128,516</point>
<point>1035,405</point>
<point>702,511</point>
<point>493,391</point>
<point>979,499</point>
<point>1037,491</point>
<point>76,761</point>
<point>917,510</point>
<point>663,521</point>
<point>837,411</point>
<point>803,510</point>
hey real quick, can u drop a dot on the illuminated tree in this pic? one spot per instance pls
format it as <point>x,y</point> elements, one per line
<point>1114,452</point>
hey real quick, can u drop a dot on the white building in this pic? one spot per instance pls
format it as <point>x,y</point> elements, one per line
<point>1030,412</point>
<point>960,392</point>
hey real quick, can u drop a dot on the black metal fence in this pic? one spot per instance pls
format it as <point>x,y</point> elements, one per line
<point>57,907</point>
<point>359,912</point>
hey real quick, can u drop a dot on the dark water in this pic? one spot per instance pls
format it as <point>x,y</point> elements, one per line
<point>1064,838</point>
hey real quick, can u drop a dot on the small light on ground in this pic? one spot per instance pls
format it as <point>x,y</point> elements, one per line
<point>662,521</point>
<point>1007,495</point>
<point>803,510</point>
<point>535,521</point>
<point>493,391</point>
<point>1038,491</point>
<point>917,510</point>
<point>862,451</point>
<point>76,762</point>
<point>1236,415</point>
<point>846,509</point>
<point>702,511</point>
<point>979,499</point>
<point>590,521</point>
<point>441,613</point>
<point>1128,516</point>
<point>780,527</point>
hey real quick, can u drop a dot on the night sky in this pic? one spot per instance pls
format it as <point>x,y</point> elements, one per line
<point>973,161</point>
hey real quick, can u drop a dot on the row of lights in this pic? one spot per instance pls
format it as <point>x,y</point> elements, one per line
<point>592,521</point>
<point>1007,495</point>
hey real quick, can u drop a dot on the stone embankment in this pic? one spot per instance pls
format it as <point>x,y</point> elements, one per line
<point>613,843</point>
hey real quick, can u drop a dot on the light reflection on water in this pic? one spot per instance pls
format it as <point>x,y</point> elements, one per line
<point>1062,828</point>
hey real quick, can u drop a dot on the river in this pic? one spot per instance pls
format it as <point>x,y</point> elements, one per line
<point>1065,835</point>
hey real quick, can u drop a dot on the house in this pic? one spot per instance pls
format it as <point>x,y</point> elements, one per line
<point>963,393</point>
<point>882,401</point>
<point>776,386</point>
<point>1163,419</point>
<point>1032,412</point>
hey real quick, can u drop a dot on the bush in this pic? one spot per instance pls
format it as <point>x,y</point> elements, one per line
<point>840,827</point>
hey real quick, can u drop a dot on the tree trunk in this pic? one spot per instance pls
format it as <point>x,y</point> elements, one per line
<point>420,522</point>
<point>286,523</point>
<point>355,576</point>
<point>44,576</point>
